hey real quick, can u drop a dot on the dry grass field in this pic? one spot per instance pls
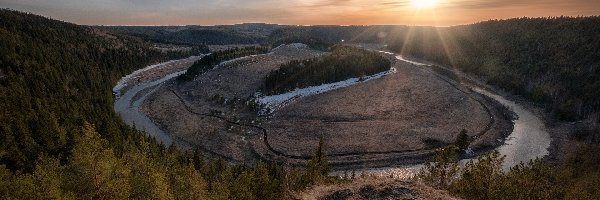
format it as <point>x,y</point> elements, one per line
<point>398,119</point>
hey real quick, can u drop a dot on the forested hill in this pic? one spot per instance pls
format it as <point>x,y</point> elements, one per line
<point>194,35</point>
<point>342,63</point>
<point>54,76</point>
<point>61,139</point>
<point>553,61</point>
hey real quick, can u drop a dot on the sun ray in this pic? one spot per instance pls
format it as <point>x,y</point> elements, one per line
<point>423,4</point>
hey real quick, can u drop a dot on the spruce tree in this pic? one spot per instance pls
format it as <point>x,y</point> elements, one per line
<point>318,167</point>
<point>442,169</point>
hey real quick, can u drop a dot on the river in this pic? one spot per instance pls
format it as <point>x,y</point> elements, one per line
<point>528,140</point>
<point>129,108</point>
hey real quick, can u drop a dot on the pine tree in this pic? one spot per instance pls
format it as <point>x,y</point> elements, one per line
<point>535,180</point>
<point>318,167</point>
<point>462,140</point>
<point>148,177</point>
<point>442,169</point>
<point>95,172</point>
<point>482,179</point>
<point>48,179</point>
<point>5,181</point>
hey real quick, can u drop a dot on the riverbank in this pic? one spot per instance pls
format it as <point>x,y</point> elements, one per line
<point>401,118</point>
<point>212,114</point>
<point>561,143</point>
<point>132,90</point>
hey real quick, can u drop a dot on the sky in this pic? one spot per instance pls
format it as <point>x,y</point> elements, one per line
<point>300,12</point>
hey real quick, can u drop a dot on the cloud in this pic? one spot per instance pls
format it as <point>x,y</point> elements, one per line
<point>159,12</point>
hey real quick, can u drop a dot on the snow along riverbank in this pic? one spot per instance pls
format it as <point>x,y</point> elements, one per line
<point>274,102</point>
<point>125,81</point>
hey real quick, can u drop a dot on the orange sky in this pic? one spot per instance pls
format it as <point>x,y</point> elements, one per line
<point>302,12</point>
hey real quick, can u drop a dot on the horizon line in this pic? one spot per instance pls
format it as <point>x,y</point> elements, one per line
<point>299,25</point>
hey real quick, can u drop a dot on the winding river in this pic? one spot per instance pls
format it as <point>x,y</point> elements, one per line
<point>528,140</point>
<point>127,105</point>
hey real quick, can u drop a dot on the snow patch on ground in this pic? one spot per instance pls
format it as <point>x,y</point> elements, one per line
<point>235,60</point>
<point>123,82</point>
<point>292,45</point>
<point>280,47</point>
<point>399,57</point>
<point>274,102</point>
<point>411,62</point>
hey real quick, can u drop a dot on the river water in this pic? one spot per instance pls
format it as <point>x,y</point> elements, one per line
<point>129,108</point>
<point>529,139</point>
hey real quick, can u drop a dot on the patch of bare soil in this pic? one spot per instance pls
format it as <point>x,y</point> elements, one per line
<point>374,188</point>
<point>399,119</point>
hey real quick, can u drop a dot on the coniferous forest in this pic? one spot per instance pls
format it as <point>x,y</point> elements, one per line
<point>54,77</point>
<point>342,63</point>
<point>551,61</point>
<point>211,60</point>
<point>61,139</point>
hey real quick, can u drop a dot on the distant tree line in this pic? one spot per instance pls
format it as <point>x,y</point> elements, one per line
<point>210,61</point>
<point>186,35</point>
<point>317,37</point>
<point>323,37</point>
<point>342,63</point>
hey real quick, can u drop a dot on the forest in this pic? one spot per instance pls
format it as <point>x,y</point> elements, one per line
<point>60,138</point>
<point>211,60</point>
<point>53,77</point>
<point>342,62</point>
<point>484,177</point>
<point>187,35</point>
<point>552,61</point>
<point>317,37</point>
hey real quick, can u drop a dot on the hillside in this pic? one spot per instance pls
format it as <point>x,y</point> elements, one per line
<point>551,61</point>
<point>342,63</point>
<point>196,35</point>
<point>61,139</point>
<point>54,76</point>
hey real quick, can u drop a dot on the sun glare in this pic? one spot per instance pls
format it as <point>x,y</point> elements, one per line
<point>423,3</point>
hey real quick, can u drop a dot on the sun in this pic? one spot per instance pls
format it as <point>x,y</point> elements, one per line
<point>423,3</point>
